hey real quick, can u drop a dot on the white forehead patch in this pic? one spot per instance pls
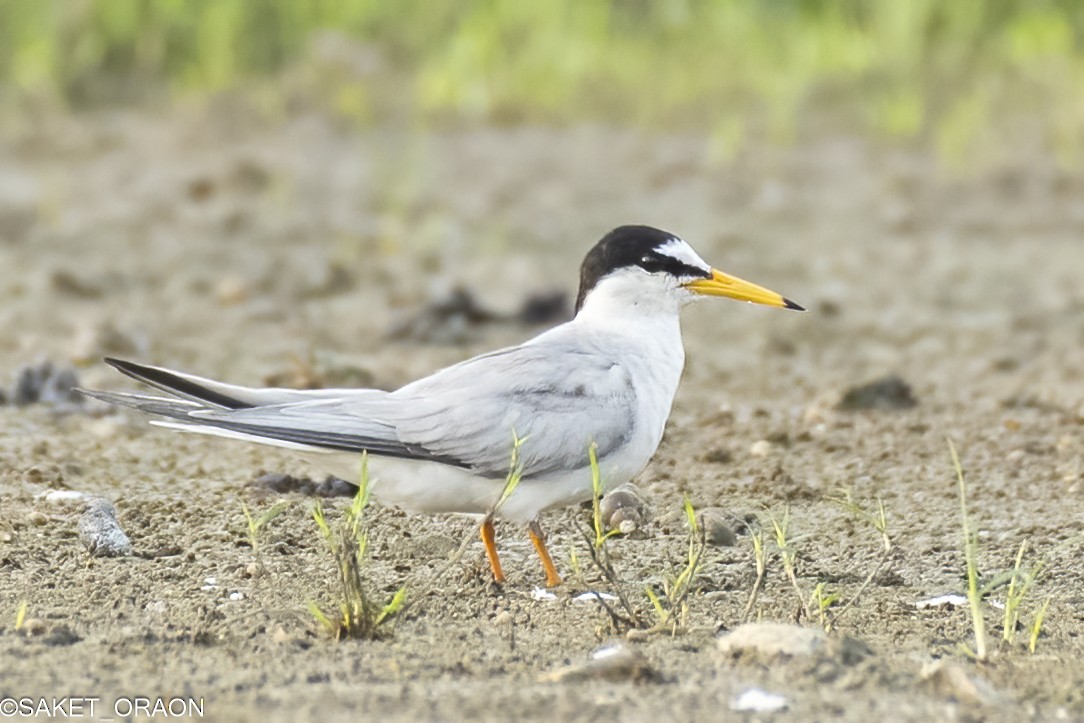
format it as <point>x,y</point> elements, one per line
<point>676,248</point>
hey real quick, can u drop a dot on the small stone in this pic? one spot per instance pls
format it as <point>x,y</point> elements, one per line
<point>951,681</point>
<point>886,393</point>
<point>35,627</point>
<point>614,663</point>
<point>231,290</point>
<point>761,448</point>
<point>37,518</point>
<point>503,618</point>
<point>100,531</point>
<point>254,569</point>
<point>284,483</point>
<point>46,384</point>
<point>772,640</point>
<point>717,531</point>
<point>719,455</point>
<point>623,506</point>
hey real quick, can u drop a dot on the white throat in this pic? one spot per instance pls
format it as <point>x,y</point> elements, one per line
<point>630,296</point>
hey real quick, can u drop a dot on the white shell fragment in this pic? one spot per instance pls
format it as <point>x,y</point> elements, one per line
<point>541,594</point>
<point>758,700</point>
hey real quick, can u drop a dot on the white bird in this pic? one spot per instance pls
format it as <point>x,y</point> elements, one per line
<point>444,443</point>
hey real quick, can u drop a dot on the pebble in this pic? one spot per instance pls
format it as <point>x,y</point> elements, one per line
<point>717,530</point>
<point>100,531</point>
<point>34,627</point>
<point>37,518</point>
<point>761,448</point>
<point>950,680</point>
<point>890,392</point>
<point>772,640</point>
<point>614,663</point>
<point>230,290</point>
<point>46,384</point>
<point>624,509</point>
<point>284,483</point>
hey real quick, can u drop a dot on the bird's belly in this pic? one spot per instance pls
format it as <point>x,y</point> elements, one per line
<point>426,487</point>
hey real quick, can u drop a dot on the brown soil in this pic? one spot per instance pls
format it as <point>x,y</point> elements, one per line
<point>240,249</point>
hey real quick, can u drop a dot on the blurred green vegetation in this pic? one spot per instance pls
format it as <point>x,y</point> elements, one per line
<point>949,72</point>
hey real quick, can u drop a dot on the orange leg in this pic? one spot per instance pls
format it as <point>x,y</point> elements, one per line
<point>535,531</point>
<point>491,550</point>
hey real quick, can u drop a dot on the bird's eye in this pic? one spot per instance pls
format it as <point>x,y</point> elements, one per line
<point>651,264</point>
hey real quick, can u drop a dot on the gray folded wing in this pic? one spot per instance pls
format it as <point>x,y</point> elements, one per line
<point>558,399</point>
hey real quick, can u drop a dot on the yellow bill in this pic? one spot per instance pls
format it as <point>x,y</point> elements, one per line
<point>732,287</point>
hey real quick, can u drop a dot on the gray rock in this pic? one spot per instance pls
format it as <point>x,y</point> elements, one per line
<point>717,528</point>
<point>623,508</point>
<point>950,680</point>
<point>886,393</point>
<point>46,384</point>
<point>772,640</point>
<point>100,531</point>
<point>617,662</point>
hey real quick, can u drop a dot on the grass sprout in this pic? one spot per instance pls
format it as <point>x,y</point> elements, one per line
<point>760,557</point>
<point>357,615</point>
<point>1037,626</point>
<point>256,524</point>
<point>788,553</point>
<point>1021,581</point>
<point>601,533</point>
<point>671,610</point>
<point>971,544</point>
<point>20,614</point>
<point>596,546</point>
<point>515,473</point>
<point>878,520</point>
<point>821,600</point>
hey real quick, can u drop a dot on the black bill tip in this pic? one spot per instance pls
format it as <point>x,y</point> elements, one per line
<point>788,304</point>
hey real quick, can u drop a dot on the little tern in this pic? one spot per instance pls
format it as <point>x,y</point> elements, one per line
<point>444,443</point>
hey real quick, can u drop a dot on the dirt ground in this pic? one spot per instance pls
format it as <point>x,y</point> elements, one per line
<point>249,250</point>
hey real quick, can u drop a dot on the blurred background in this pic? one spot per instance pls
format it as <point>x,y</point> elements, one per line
<point>446,165</point>
<point>974,80</point>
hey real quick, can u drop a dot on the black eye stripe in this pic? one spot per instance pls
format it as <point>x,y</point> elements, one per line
<point>670,265</point>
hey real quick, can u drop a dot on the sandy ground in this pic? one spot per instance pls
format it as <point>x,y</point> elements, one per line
<point>230,246</point>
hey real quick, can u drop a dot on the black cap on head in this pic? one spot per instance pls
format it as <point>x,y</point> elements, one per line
<point>627,246</point>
